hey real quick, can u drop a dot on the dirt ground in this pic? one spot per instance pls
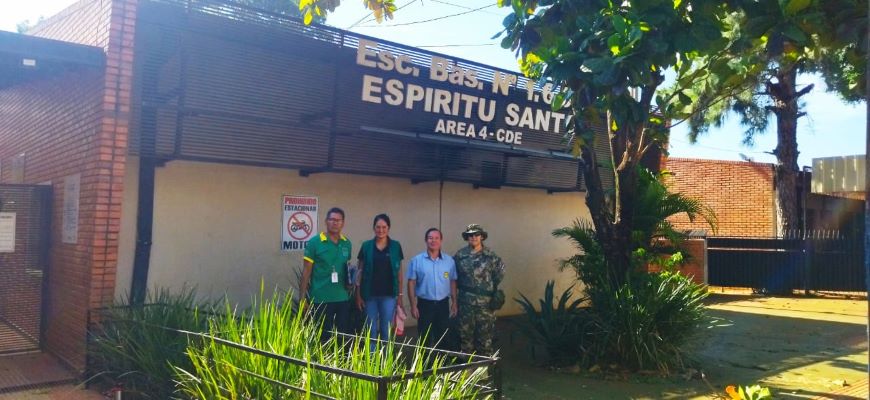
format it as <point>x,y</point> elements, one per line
<point>63,392</point>
<point>800,347</point>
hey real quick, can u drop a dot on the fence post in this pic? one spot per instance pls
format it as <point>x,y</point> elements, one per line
<point>383,385</point>
<point>808,263</point>
<point>497,378</point>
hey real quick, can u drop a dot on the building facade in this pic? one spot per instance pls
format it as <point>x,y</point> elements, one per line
<point>170,131</point>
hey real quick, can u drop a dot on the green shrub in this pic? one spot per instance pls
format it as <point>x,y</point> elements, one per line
<point>277,326</point>
<point>646,322</point>
<point>132,347</point>
<point>559,327</point>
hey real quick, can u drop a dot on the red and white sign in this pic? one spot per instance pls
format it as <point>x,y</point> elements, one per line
<point>299,216</point>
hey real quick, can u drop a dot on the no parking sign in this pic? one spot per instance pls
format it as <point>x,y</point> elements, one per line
<point>299,221</point>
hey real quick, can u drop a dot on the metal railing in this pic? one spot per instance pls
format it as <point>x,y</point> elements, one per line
<point>813,261</point>
<point>490,387</point>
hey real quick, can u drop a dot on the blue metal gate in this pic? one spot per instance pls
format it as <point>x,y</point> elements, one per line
<point>818,261</point>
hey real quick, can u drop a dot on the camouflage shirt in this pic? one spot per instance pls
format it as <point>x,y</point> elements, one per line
<point>482,271</point>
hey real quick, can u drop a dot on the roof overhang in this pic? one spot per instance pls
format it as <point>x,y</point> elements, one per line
<point>24,58</point>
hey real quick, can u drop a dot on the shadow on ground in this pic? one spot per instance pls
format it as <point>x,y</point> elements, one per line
<point>800,347</point>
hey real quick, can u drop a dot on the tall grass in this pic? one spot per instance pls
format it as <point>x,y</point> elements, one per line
<point>647,322</point>
<point>132,347</point>
<point>273,324</point>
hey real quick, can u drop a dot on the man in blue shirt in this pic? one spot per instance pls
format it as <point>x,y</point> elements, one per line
<point>432,290</point>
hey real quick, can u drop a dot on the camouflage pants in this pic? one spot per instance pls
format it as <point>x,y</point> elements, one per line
<point>476,328</point>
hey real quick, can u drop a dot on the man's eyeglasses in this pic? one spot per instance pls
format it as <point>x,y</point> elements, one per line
<point>334,220</point>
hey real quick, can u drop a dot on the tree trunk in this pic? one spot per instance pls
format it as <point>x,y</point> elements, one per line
<point>785,107</point>
<point>613,237</point>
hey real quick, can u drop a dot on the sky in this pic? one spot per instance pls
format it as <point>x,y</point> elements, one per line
<point>464,29</point>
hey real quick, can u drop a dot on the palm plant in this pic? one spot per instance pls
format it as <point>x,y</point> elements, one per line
<point>652,233</point>
<point>640,319</point>
<point>652,230</point>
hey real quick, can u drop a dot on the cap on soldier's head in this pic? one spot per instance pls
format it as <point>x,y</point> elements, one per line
<point>472,229</point>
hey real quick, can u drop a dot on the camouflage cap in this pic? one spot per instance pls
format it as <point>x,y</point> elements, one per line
<point>472,229</point>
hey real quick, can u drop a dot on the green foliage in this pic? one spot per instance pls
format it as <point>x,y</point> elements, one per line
<point>316,10</point>
<point>642,320</point>
<point>766,40</point>
<point>133,347</point>
<point>596,50</point>
<point>607,60</point>
<point>559,326</point>
<point>654,205</point>
<point>754,392</point>
<point>646,322</point>
<point>275,325</point>
<point>652,235</point>
<point>27,25</point>
<point>590,263</point>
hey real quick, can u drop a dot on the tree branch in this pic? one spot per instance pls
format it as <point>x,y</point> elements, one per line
<point>804,91</point>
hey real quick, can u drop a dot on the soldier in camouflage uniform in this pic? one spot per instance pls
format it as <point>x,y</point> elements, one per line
<point>479,272</point>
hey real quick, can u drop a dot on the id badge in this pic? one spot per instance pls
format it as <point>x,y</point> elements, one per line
<point>334,277</point>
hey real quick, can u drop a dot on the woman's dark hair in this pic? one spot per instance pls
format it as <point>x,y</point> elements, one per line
<point>335,210</point>
<point>382,217</point>
<point>430,230</point>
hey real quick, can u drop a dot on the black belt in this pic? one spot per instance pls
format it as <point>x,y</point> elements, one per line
<point>420,299</point>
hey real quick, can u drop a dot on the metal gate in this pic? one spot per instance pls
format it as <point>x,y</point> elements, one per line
<point>24,239</point>
<point>819,261</point>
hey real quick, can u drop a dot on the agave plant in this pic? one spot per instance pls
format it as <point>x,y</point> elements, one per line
<point>137,347</point>
<point>559,325</point>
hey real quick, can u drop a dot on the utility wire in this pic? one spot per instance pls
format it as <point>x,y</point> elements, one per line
<point>717,148</point>
<point>429,20</point>
<point>460,6</point>
<point>457,45</point>
<point>366,18</point>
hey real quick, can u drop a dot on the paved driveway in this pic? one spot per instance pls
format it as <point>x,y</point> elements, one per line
<point>804,347</point>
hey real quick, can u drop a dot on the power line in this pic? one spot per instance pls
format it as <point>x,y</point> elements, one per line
<point>429,20</point>
<point>366,18</point>
<point>457,45</point>
<point>718,148</point>
<point>460,6</point>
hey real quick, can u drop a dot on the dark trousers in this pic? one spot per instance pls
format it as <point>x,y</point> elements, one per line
<point>434,319</point>
<point>336,315</point>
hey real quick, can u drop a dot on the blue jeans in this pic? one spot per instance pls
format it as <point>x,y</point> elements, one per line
<point>379,315</point>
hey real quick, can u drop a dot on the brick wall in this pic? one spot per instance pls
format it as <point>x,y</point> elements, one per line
<point>73,123</point>
<point>740,193</point>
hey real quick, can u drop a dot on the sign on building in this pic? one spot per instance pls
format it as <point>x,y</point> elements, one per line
<point>71,192</point>
<point>449,97</point>
<point>7,232</point>
<point>299,221</point>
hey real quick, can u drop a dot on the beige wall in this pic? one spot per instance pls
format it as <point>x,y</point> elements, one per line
<point>219,226</point>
